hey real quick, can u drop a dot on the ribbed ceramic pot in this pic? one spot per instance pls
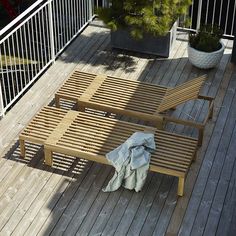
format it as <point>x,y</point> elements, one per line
<point>205,60</point>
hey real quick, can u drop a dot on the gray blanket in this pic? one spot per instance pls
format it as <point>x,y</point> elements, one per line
<point>131,162</point>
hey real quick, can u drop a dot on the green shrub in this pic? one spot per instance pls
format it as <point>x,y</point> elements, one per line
<point>207,39</point>
<point>150,16</point>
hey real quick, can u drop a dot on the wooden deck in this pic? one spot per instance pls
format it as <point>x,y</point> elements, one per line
<point>68,199</point>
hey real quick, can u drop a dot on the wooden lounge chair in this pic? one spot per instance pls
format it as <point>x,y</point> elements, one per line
<point>90,137</point>
<point>132,98</point>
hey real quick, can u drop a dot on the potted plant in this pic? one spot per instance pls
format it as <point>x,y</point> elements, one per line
<point>147,26</point>
<point>205,48</point>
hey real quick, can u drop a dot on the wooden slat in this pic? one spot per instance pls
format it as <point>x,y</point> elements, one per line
<point>92,88</point>
<point>61,127</point>
<point>136,83</point>
<point>182,93</point>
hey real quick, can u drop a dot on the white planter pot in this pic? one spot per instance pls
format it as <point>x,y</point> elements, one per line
<point>205,60</point>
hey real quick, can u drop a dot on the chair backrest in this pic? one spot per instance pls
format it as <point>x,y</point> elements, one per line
<point>182,93</point>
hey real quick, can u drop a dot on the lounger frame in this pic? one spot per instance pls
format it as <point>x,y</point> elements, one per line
<point>144,101</point>
<point>90,137</point>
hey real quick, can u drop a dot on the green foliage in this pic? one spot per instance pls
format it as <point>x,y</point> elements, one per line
<point>207,39</point>
<point>151,16</point>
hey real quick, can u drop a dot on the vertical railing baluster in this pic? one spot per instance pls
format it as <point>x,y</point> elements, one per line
<point>22,54</point>
<point>191,15</point>
<point>1,87</point>
<point>232,27</point>
<point>48,36</point>
<point>26,53</point>
<point>35,42</point>
<point>69,18</point>
<point>43,22</point>
<point>77,15</point>
<point>59,25</point>
<point>207,10</point>
<point>80,14</point>
<point>227,17</point>
<point>40,42</point>
<point>51,31</point>
<point>1,101</point>
<point>29,56</point>
<point>214,13</point>
<point>10,65</point>
<point>83,11</point>
<point>15,78</point>
<point>220,15</point>
<point>199,15</point>
<point>3,84</point>
<point>66,21</point>
<point>90,10</point>
<point>6,66</point>
<point>19,59</point>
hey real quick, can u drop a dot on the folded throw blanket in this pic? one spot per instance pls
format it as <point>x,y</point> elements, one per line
<point>131,161</point>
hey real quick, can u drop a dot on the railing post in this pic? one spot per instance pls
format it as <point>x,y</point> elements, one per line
<point>51,31</point>
<point>105,3</point>
<point>233,54</point>
<point>199,15</point>
<point>2,113</point>
<point>90,10</point>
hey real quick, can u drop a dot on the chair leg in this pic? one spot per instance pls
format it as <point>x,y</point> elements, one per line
<point>160,124</point>
<point>181,187</point>
<point>194,156</point>
<point>48,156</point>
<point>107,114</point>
<point>22,147</point>
<point>76,106</point>
<point>211,105</point>
<point>57,101</point>
<point>81,108</point>
<point>200,136</point>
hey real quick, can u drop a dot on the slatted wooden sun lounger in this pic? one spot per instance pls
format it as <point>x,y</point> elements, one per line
<point>90,137</point>
<point>132,98</point>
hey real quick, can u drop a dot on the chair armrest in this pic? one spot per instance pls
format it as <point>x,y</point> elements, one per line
<point>206,97</point>
<point>183,122</point>
<point>193,124</point>
<point>211,106</point>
